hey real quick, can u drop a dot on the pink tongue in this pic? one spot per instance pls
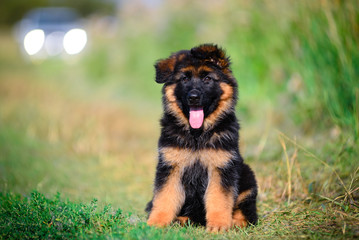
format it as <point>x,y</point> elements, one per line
<point>196,117</point>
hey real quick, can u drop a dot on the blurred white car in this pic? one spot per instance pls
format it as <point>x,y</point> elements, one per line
<point>46,32</point>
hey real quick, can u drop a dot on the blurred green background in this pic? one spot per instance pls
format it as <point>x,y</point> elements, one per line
<point>88,126</point>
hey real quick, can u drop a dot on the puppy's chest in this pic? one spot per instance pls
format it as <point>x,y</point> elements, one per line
<point>194,176</point>
<point>195,179</point>
<point>183,158</point>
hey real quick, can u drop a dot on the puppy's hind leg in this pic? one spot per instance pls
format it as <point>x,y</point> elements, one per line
<point>245,209</point>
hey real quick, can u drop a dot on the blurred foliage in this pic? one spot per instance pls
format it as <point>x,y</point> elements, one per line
<point>328,60</point>
<point>12,11</point>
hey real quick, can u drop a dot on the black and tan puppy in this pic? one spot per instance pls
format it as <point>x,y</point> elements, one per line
<point>200,173</point>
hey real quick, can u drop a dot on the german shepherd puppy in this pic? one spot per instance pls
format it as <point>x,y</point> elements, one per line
<point>200,174</point>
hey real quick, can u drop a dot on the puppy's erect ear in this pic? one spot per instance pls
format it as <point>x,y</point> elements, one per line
<point>164,69</point>
<point>211,53</point>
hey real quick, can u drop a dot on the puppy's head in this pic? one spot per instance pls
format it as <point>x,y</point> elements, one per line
<point>198,85</point>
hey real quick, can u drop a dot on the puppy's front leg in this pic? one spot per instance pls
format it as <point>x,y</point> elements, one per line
<point>167,201</point>
<point>219,204</point>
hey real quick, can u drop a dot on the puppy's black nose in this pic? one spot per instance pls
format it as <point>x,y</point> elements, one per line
<point>194,97</point>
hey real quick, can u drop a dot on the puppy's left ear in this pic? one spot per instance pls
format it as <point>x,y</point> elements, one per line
<point>164,69</point>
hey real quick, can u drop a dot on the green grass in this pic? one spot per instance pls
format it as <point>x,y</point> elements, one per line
<point>88,128</point>
<point>37,216</point>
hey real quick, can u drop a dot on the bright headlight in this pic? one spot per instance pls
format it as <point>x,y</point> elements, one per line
<point>75,41</point>
<point>33,41</point>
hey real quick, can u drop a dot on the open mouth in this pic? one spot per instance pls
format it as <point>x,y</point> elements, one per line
<point>196,117</point>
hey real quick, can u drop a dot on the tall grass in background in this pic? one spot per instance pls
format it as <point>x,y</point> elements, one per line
<point>328,60</point>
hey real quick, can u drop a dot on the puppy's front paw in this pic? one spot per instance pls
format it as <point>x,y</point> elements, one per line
<point>159,219</point>
<point>218,227</point>
<point>218,222</point>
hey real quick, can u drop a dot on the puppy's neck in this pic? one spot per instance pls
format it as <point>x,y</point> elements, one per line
<point>196,133</point>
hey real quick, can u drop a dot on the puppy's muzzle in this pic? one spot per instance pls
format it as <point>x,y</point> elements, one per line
<point>194,98</point>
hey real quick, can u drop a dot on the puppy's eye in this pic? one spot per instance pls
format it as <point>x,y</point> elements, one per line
<point>185,79</point>
<point>207,79</point>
